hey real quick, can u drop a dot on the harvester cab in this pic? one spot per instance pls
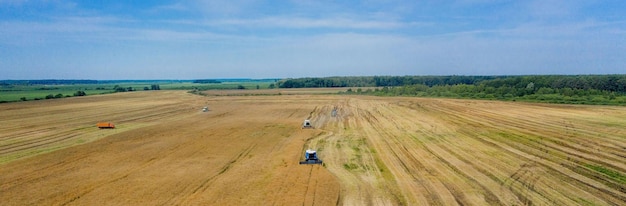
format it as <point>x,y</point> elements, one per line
<point>310,157</point>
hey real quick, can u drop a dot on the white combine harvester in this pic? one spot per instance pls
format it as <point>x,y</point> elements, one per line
<point>310,157</point>
<point>205,109</point>
<point>307,124</point>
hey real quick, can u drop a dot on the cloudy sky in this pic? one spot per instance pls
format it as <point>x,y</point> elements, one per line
<point>193,39</point>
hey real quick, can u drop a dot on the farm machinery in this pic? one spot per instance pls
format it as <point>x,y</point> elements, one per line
<point>310,157</point>
<point>307,124</point>
<point>105,125</point>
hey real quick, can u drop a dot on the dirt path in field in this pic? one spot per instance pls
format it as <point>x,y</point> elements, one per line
<point>245,151</point>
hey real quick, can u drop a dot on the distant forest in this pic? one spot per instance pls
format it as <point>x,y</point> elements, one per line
<point>577,89</point>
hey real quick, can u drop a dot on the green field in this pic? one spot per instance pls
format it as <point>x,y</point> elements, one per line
<point>28,92</point>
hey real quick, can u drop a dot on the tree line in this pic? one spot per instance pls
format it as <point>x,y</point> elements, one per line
<point>580,89</point>
<point>615,83</point>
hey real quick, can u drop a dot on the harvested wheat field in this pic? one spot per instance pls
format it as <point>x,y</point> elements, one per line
<point>245,151</point>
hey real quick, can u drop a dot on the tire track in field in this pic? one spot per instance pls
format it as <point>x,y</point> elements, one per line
<point>437,170</point>
<point>410,173</point>
<point>371,177</point>
<point>48,140</point>
<point>529,151</point>
<point>23,142</point>
<point>151,162</point>
<point>458,141</point>
<point>347,155</point>
<point>68,120</point>
<point>577,151</point>
<point>207,181</point>
<point>564,173</point>
<point>119,177</point>
<point>320,142</point>
<point>192,192</point>
<point>36,175</point>
<point>306,193</point>
<point>80,114</point>
<point>447,152</point>
<point>133,170</point>
<point>452,167</point>
<point>568,160</point>
<point>558,170</point>
<point>455,168</point>
<point>576,141</point>
<point>292,169</point>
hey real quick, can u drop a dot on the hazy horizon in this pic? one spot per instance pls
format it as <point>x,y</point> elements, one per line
<point>198,39</point>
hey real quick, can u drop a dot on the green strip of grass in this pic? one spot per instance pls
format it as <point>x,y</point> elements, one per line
<point>615,175</point>
<point>350,166</point>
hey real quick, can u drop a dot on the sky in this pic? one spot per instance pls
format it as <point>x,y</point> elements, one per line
<point>204,39</point>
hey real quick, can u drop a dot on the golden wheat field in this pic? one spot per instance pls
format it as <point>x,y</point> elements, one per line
<point>245,151</point>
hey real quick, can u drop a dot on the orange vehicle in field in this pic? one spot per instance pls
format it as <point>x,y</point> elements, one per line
<point>105,125</point>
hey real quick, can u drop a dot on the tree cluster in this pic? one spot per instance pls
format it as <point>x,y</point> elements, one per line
<point>49,96</point>
<point>117,88</point>
<point>578,89</point>
<point>326,82</point>
<point>380,81</point>
<point>612,83</point>
<point>80,93</point>
<point>152,87</point>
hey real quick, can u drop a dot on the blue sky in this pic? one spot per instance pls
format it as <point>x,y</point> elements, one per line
<point>194,39</point>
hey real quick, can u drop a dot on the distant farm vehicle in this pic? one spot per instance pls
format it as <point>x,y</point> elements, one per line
<point>205,109</point>
<point>310,157</point>
<point>307,124</point>
<point>105,125</point>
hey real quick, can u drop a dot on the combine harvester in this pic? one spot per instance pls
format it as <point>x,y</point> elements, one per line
<point>310,158</point>
<point>307,124</point>
<point>105,125</point>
